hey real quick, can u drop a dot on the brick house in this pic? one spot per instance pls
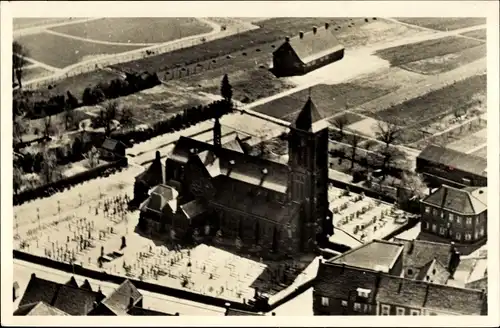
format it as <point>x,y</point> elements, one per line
<point>441,165</point>
<point>455,214</point>
<point>307,52</point>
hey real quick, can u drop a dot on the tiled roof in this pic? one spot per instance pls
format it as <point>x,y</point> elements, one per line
<point>110,144</point>
<point>377,255</point>
<point>310,118</point>
<point>153,175</point>
<point>86,285</point>
<point>139,311</point>
<point>465,201</point>
<point>76,301</point>
<point>396,290</point>
<point>39,309</point>
<point>422,252</point>
<point>72,282</point>
<point>235,165</point>
<point>119,300</point>
<point>456,300</point>
<point>161,196</point>
<point>39,290</point>
<point>315,45</point>
<point>193,208</point>
<point>434,272</point>
<point>458,160</point>
<point>338,281</point>
<point>251,204</point>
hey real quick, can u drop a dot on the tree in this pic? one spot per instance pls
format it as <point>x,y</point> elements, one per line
<point>92,157</point>
<point>49,170</point>
<point>414,183</point>
<point>18,129</point>
<point>354,141</point>
<point>388,133</point>
<point>19,53</point>
<point>47,125</point>
<point>71,100</point>
<point>126,116</point>
<point>109,114</point>
<point>226,90</point>
<point>17,179</point>
<point>340,123</point>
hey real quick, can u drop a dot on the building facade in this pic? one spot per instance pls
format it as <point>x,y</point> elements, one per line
<point>307,52</point>
<point>458,215</point>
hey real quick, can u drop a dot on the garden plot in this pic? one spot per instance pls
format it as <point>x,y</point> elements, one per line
<point>363,217</point>
<point>470,142</point>
<point>444,23</point>
<point>136,29</point>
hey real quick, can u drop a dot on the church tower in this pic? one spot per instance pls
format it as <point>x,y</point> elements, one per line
<point>308,177</point>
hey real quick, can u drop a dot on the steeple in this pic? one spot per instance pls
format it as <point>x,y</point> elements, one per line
<point>308,116</point>
<point>217,134</point>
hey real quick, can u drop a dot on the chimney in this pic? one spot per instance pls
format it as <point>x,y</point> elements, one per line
<point>33,275</point>
<point>131,302</point>
<point>301,34</point>
<point>287,39</point>
<point>176,314</point>
<point>327,25</point>
<point>315,29</point>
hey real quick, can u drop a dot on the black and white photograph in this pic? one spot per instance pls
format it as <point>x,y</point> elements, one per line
<point>210,164</point>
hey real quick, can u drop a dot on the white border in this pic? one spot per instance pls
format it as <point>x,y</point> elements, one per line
<point>487,9</point>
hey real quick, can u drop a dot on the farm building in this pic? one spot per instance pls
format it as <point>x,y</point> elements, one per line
<point>441,165</point>
<point>211,190</point>
<point>307,52</point>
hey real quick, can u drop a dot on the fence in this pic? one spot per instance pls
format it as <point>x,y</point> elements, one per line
<point>49,189</point>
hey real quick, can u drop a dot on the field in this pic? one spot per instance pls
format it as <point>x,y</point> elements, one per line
<point>444,23</point>
<point>20,23</point>
<point>471,142</point>
<point>478,34</point>
<point>35,72</point>
<point>483,152</point>
<point>448,62</point>
<point>433,104</point>
<point>413,52</point>
<point>59,52</point>
<point>329,99</point>
<point>136,30</point>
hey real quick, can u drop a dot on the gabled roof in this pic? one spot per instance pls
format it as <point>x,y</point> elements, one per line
<point>72,282</point>
<point>234,144</point>
<point>315,45</point>
<point>161,196</point>
<point>86,285</point>
<point>153,175</point>
<point>418,253</point>
<point>139,311</point>
<point>377,255</point>
<point>467,201</point>
<point>452,158</point>
<point>434,272</point>
<point>310,118</point>
<point>111,144</point>
<point>119,300</point>
<point>193,208</point>
<point>76,301</point>
<point>39,290</point>
<point>39,309</point>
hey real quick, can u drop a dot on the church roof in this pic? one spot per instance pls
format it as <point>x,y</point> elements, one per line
<point>310,118</point>
<point>161,196</point>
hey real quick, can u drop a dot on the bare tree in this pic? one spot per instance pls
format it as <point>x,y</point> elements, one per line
<point>47,125</point>
<point>18,129</point>
<point>340,122</point>
<point>389,133</point>
<point>92,157</point>
<point>50,171</point>
<point>354,141</point>
<point>19,53</point>
<point>69,117</point>
<point>17,179</point>
<point>414,183</point>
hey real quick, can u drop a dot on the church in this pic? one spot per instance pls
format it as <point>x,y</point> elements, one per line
<point>220,191</point>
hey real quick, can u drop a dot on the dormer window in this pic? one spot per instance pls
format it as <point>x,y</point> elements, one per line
<point>362,292</point>
<point>264,171</point>
<point>232,162</point>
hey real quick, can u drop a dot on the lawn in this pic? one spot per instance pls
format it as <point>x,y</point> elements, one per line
<point>329,99</point>
<point>444,23</point>
<point>448,62</point>
<point>349,117</point>
<point>58,51</point>
<point>412,52</point>
<point>459,95</point>
<point>136,29</point>
<point>35,72</point>
<point>25,22</point>
<point>478,34</point>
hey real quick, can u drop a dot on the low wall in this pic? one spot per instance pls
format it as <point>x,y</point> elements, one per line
<point>49,189</point>
<point>359,189</point>
<point>147,286</point>
<point>296,292</point>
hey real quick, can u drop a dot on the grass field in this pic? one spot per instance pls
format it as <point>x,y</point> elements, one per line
<point>444,23</point>
<point>58,51</point>
<point>478,34</point>
<point>330,99</point>
<point>483,152</point>
<point>470,142</point>
<point>445,100</point>
<point>448,62</point>
<point>350,118</point>
<point>35,72</point>
<point>20,23</point>
<point>427,49</point>
<point>136,29</point>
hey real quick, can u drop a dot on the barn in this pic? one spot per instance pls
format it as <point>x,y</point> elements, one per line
<point>307,52</point>
<point>441,165</point>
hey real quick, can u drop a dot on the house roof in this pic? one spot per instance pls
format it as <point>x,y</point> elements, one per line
<point>86,285</point>
<point>377,255</point>
<point>315,45</point>
<point>154,174</point>
<point>452,158</point>
<point>119,301</point>
<point>72,282</point>
<point>39,290</point>
<point>111,144</point>
<point>467,201</point>
<point>418,253</point>
<point>161,196</point>
<point>434,272</point>
<point>310,118</point>
<point>38,309</point>
<point>251,204</point>
<point>193,208</point>
<point>76,301</point>
<point>139,311</point>
<point>232,312</point>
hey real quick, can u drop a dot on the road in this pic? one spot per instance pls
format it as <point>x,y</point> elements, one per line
<point>155,301</point>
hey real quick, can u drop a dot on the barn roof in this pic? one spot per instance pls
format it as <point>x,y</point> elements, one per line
<point>455,159</point>
<point>315,45</point>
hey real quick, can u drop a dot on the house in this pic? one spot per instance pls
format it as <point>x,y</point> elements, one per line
<point>38,309</point>
<point>346,290</point>
<point>458,215</point>
<point>216,191</point>
<point>441,165</point>
<point>119,302</point>
<point>112,150</point>
<point>65,297</point>
<point>307,52</point>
